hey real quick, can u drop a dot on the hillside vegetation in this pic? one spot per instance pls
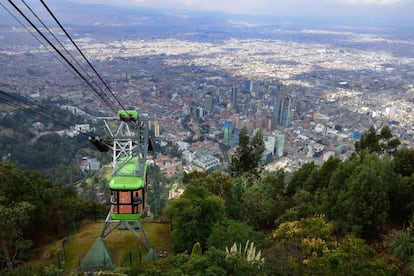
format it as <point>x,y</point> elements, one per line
<point>345,217</point>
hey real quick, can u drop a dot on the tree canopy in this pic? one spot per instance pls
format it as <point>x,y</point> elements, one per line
<point>33,210</point>
<point>247,157</point>
<point>380,143</point>
<point>317,220</point>
<point>193,216</point>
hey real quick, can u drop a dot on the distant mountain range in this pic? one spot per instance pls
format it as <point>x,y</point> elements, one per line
<point>108,22</point>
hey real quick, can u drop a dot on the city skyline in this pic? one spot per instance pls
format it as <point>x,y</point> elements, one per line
<point>192,74</point>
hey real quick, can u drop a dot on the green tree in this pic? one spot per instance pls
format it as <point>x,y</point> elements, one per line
<point>234,202</point>
<point>309,247</point>
<point>193,216</point>
<point>256,208</point>
<point>319,178</point>
<point>378,143</point>
<point>247,157</point>
<point>226,232</point>
<point>217,183</point>
<point>157,195</point>
<point>14,217</point>
<point>332,195</point>
<point>294,242</point>
<point>300,177</point>
<point>54,205</point>
<point>404,161</point>
<point>274,183</point>
<point>402,198</point>
<point>357,198</point>
<point>369,142</point>
<point>301,205</point>
<point>257,148</point>
<point>388,144</point>
<point>350,256</point>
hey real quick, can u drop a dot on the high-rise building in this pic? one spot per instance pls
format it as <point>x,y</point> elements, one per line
<point>200,112</point>
<point>280,145</point>
<point>277,104</point>
<point>208,103</point>
<point>156,129</point>
<point>228,129</point>
<point>270,144</point>
<point>248,86</point>
<point>267,124</point>
<point>215,100</point>
<point>234,98</point>
<point>225,114</point>
<point>286,111</point>
<point>282,107</point>
<point>150,123</point>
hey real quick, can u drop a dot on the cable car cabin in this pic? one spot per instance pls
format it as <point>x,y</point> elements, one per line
<point>128,115</point>
<point>127,192</point>
<point>127,205</point>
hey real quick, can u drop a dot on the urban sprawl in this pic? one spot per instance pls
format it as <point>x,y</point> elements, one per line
<point>311,100</point>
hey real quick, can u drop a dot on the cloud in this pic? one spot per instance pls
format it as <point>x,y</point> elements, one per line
<point>246,4</point>
<point>375,2</point>
<point>396,9</point>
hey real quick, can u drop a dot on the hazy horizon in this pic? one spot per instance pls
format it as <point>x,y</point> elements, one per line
<point>392,13</point>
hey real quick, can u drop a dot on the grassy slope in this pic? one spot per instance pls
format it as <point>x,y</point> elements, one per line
<point>120,242</point>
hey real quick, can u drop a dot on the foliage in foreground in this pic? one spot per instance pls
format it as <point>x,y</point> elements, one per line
<point>318,216</point>
<point>310,222</point>
<point>33,210</point>
<point>309,247</point>
<point>212,262</point>
<point>193,215</point>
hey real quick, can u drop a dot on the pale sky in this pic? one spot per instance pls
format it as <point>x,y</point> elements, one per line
<point>384,12</point>
<point>398,10</point>
<point>273,7</point>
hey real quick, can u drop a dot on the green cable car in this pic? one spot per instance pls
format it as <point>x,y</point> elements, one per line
<point>129,143</point>
<point>127,191</point>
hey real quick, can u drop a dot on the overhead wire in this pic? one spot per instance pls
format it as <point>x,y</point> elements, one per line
<point>104,99</point>
<point>24,26</point>
<point>42,43</point>
<point>18,103</point>
<point>79,50</point>
<point>38,40</point>
<point>10,102</point>
<point>32,108</point>
<point>57,39</point>
<point>25,104</point>
<point>63,47</point>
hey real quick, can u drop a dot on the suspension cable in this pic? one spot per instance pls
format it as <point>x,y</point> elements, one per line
<point>61,45</point>
<point>76,46</point>
<point>108,103</point>
<point>25,104</point>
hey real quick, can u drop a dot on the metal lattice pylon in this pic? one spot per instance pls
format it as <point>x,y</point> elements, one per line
<point>128,140</point>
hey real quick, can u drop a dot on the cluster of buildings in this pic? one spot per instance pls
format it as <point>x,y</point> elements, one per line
<point>310,99</point>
